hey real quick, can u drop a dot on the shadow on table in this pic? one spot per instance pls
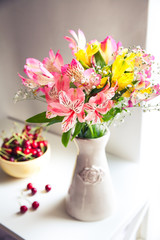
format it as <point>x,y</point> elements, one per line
<point>58,211</point>
<point>4,178</point>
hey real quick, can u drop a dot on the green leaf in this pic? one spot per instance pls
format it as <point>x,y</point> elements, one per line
<point>55,120</point>
<point>92,131</point>
<point>77,130</point>
<point>98,130</point>
<point>99,60</point>
<point>43,96</point>
<point>72,85</point>
<point>39,118</point>
<point>111,114</point>
<point>83,64</point>
<point>65,138</point>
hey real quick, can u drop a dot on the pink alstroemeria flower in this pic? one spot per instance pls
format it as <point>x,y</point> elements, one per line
<point>143,62</point>
<point>109,48</point>
<point>38,75</point>
<point>80,42</point>
<point>84,79</point>
<point>96,106</point>
<point>110,91</point>
<point>143,95</point>
<point>70,106</point>
<point>53,63</point>
<point>62,83</point>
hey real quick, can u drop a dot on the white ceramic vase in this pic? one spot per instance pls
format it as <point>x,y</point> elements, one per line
<point>91,196</point>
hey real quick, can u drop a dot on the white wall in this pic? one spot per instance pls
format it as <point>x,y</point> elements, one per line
<point>151,121</point>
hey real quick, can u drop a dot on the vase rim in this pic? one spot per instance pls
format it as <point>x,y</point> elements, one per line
<point>107,134</point>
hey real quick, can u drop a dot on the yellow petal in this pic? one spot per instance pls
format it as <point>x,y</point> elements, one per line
<point>103,82</point>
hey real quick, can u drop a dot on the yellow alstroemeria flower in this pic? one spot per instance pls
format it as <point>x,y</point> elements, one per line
<point>103,82</point>
<point>122,70</point>
<point>85,55</point>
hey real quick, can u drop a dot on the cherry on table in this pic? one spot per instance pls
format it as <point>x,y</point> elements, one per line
<point>35,205</point>
<point>34,191</point>
<point>29,186</point>
<point>23,209</point>
<point>48,187</point>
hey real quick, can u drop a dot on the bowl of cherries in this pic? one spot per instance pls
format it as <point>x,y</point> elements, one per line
<point>24,154</point>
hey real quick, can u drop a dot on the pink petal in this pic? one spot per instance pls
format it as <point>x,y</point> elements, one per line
<point>65,100</point>
<point>51,55</point>
<point>59,109</point>
<point>58,61</point>
<point>69,122</point>
<point>28,82</point>
<point>74,34</point>
<point>81,40</point>
<point>46,72</point>
<point>33,62</point>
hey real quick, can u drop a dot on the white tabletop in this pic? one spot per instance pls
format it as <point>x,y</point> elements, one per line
<point>50,221</point>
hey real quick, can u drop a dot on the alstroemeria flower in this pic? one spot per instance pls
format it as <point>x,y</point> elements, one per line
<point>85,56</point>
<point>53,63</point>
<point>80,42</point>
<point>108,49</point>
<point>123,70</point>
<point>62,83</point>
<point>96,107</point>
<point>144,95</point>
<point>143,63</point>
<point>83,52</point>
<point>84,79</point>
<point>70,106</point>
<point>38,75</point>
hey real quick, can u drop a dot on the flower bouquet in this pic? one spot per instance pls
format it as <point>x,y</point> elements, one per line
<point>103,80</point>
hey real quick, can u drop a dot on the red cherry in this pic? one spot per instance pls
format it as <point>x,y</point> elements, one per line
<point>11,159</point>
<point>35,205</point>
<point>17,150</point>
<point>45,143</point>
<point>39,153</point>
<point>35,136</point>
<point>30,135</point>
<point>34,191</point>
<point>34,144</point>
<point>27,151</point>
<point>38,150</point>
<point>26,143</point>
<point>4,145</point>
<point>34,152</point>
<point>29,186</point>
<point>15,142</point>
<point>23,209</point>
<point>28,127</point>
<point>48,187</point>
<point>6,140</point>
<point>41,144</point>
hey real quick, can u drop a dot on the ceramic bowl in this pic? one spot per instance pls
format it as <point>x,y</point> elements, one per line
<point>27,168</point>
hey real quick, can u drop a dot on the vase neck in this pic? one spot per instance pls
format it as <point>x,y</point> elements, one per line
<point>92,145</point>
